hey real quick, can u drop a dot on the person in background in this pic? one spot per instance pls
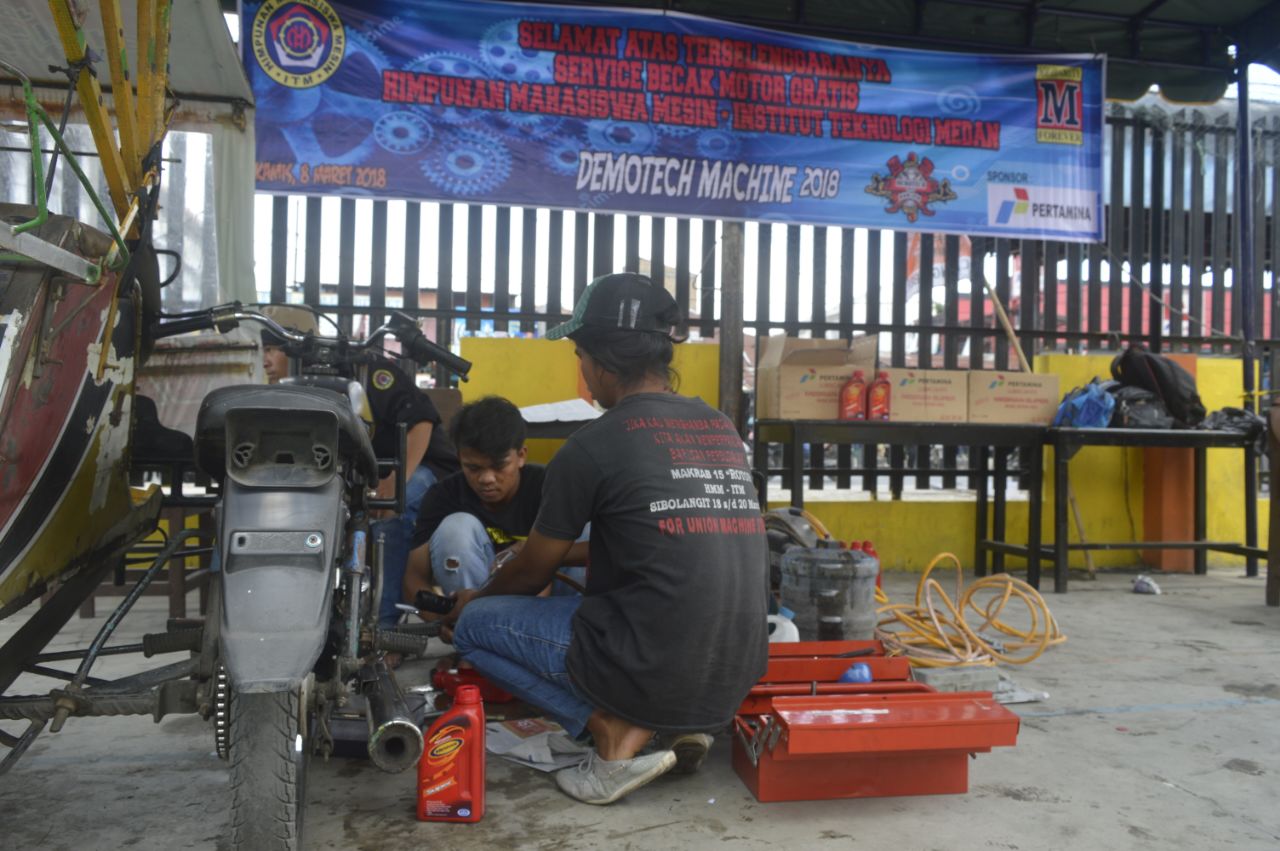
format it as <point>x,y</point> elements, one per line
<point>393,399</point>
<point>670,634</point>
<point>466,519</point>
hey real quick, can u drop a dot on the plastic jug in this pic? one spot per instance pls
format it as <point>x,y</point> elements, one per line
<point>831,592</point>
<point>451,771</point>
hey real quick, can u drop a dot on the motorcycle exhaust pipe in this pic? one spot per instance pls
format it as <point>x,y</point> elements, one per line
<point>395,741</point>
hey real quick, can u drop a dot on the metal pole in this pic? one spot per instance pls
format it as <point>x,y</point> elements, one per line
<point>1243,278</point>
<point>731,248</point>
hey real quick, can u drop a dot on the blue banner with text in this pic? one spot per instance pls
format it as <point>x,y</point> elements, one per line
<point>636,111</point>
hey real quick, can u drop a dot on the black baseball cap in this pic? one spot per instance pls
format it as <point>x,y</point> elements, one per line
<point>622,301</point>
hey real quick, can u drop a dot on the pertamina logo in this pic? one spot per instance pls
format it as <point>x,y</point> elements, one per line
<point>298,43</point>
<point>1019,204</point>
<point>1051,209</point>
<point>1060,104</point>
<point>808,376</point>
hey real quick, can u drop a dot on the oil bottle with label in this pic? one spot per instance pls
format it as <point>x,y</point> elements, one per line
<point>451,772</point>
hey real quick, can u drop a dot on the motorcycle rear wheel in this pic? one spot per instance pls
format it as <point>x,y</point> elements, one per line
<point>268,771</point>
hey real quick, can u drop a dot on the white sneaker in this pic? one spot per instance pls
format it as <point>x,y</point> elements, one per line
<point>690,750</point>
<point>601,781</point>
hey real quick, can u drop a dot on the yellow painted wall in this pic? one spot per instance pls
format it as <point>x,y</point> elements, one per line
<point>532,372</point>
<point>1108,482</point>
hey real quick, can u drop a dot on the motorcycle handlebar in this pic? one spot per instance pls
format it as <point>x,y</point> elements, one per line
<point>402,326</point>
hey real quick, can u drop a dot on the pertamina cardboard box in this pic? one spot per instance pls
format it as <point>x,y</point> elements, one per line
<point>928,395</point>
<point>800,379</point>
<point>1012,397</point>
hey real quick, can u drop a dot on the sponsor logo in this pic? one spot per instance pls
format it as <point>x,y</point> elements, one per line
<point>1018,205</point>
<point>1048,208</point>
<point>382,379</point>
<point>910,187</point>
<point>808,376</point>
<point>298,43</point>
<point>1059,104</point>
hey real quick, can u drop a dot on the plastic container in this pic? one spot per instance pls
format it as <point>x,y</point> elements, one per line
<point>878,398</point>
<point>781,630</point>
<point>853,398</point>
<point>451,771</point>
<point>831,592</point>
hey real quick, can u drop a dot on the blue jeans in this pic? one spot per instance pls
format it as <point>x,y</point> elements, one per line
<point>520,644</point>
<point>460,537</point>
<point>395,549</point>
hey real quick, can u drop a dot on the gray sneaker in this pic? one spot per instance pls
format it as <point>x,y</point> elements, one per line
<point>690,750</point>
<point>599,781</point>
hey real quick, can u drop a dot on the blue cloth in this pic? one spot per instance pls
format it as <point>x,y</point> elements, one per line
<point>395,548</point>
<point>520,644</point>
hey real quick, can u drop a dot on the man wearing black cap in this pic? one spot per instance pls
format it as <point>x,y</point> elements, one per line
<point>671,632</point>
<point>393,399</point>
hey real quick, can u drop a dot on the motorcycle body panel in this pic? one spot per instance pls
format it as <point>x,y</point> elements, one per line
<point>68,354</point>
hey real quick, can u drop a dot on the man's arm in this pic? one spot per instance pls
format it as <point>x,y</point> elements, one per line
<point>527,574</point>
<point>577,555</point>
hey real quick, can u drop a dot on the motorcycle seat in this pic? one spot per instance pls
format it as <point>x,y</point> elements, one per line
<point>210,441</point>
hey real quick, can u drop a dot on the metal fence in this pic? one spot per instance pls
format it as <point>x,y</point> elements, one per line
<point>1167,275</point>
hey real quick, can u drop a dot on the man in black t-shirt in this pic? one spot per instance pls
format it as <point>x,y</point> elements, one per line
<point>486,508</point>
<point>394,399</point>
<point>670,634</point>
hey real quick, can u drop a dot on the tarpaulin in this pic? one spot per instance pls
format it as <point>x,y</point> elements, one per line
<point>640,111</point>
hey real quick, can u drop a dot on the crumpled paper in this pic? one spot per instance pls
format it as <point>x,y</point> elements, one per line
<point>535,742</point>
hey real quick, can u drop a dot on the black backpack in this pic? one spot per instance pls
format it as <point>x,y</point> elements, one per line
<point>1171,384</point>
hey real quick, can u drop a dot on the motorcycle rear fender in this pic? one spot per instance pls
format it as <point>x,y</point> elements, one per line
<point>279,555</point>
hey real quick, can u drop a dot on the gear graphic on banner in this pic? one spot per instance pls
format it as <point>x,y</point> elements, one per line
<point>500,50</point>
<point>403,132</point>
<point>628,137</point>
<point>467,161</point>
<point>717,144</point>
<point>562,155</point>
<point>449,65</point>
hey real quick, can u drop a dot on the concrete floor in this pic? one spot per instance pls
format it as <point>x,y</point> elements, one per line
<point>1162,731</point>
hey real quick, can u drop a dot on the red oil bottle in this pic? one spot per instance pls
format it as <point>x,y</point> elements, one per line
<point>878,398</point>
<point>451,771</point>
<point>853,398</point>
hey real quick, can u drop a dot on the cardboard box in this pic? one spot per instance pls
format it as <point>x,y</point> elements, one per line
<point>928,395</point>
<point>1012,397</point>
<point>799,379</point>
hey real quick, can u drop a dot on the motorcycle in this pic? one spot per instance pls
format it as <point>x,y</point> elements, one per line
<point>294,619</point>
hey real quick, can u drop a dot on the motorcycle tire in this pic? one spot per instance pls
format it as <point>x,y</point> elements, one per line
<point>268,771</point>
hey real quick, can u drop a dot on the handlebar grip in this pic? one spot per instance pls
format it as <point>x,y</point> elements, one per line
<point>201,322</point>
<point>434,603</point>
<point>424,351</point>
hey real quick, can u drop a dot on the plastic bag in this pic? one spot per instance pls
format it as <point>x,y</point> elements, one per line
<point>1089,406</point>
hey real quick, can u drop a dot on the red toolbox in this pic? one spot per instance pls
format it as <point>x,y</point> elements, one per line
<point>800,735</point>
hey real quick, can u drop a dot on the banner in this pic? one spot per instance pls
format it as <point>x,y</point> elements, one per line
<point>625,110</point>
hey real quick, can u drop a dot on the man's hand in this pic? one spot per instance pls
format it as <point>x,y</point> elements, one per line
<point>460,601</point>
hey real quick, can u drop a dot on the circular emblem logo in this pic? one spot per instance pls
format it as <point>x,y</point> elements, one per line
<point>382,379</point>
<point>298,43</point>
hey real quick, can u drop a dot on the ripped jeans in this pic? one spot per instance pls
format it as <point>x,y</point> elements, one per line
<point>462,553</point>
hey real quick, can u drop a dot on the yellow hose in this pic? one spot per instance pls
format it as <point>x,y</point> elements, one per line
<point>935,633</point>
